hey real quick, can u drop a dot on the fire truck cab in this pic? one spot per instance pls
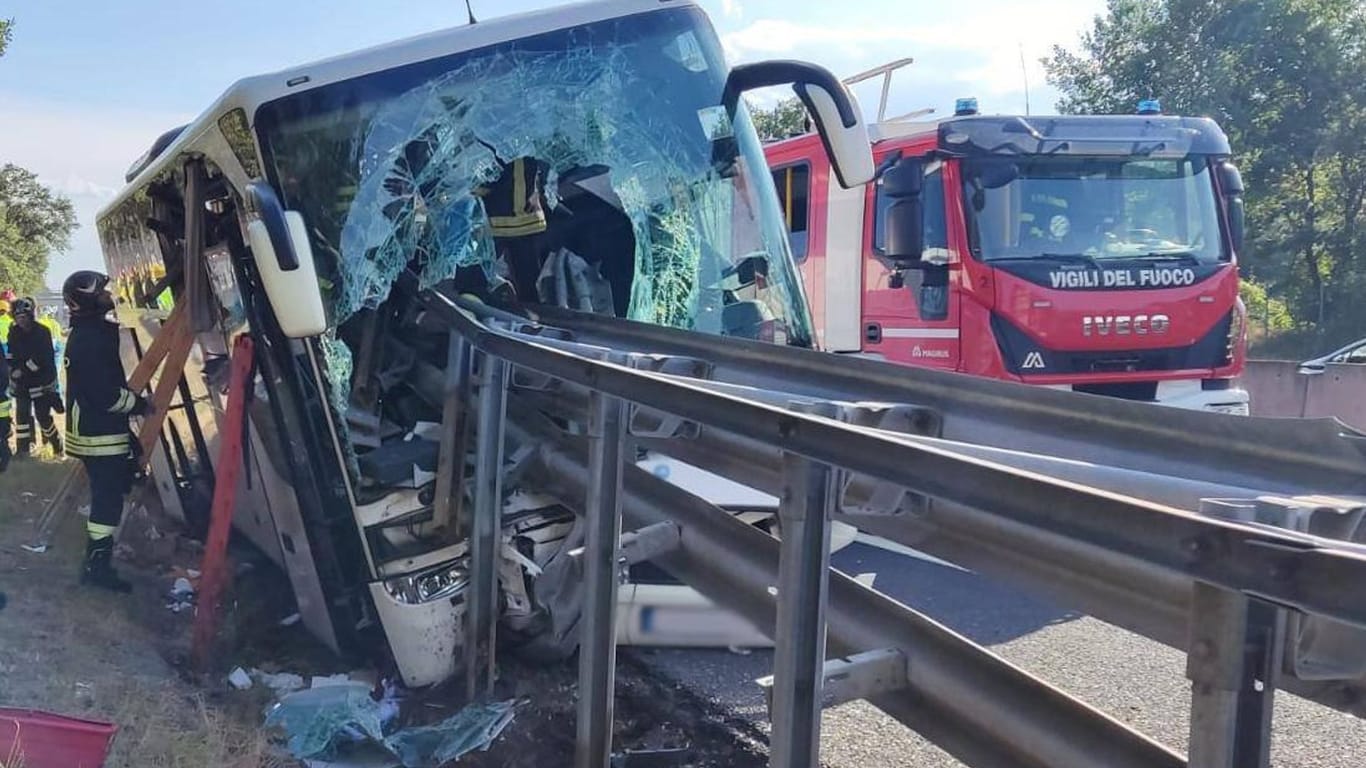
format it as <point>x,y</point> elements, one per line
<point>1093,253</point>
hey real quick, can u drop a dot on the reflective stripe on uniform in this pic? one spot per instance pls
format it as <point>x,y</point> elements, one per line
<point>6,409</point>
<point>126,402</point>
<point>517,226</point>
<point>97,531</point>
<point>102,445</point>
<point>79,451</point>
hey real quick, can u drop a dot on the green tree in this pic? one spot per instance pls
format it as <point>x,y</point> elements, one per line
<point>6,32</point>
<point>787,118</point>
<point>34,223</point>
<point>1287,80</point>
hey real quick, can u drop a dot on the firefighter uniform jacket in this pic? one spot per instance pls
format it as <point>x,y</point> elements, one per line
<point>97,395</point>
<point>513,201</point>
<point>31,355</point>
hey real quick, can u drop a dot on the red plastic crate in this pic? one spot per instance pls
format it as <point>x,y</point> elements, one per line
<point>44,740</point>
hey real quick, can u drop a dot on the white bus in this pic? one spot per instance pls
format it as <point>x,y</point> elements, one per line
<point>591,156</point>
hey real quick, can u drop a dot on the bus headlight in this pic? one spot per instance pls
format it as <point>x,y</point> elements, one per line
<point>439,583</point>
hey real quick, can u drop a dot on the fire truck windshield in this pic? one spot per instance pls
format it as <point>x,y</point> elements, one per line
<point>614,128</point>
<point>1099,208</point>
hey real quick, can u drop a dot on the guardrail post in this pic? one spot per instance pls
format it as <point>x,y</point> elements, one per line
<point>450,493</point>
<point>804,514</point>
<point>1233,662</point>
<point>598,641</point>
<point>486,527</point>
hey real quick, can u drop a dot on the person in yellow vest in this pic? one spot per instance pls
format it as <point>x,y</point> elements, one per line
<point>47,318</point>
<point>5,322</point>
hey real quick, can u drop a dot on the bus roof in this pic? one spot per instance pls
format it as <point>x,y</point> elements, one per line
<point>251,92</point>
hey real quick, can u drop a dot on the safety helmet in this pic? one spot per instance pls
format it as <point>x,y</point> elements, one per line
<point>22,307</point>
<point>81,293</point>
<point>4,305</point>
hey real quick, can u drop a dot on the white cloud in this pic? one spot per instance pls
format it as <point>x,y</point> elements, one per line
<point>82,152</point>
<point>962,52</point>
<point>731,9</point>
<point>773,36</point>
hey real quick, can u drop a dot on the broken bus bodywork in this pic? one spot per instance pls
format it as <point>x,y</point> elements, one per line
<point>316,204</point>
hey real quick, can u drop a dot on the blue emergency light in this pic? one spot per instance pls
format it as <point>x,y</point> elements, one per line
<point>967,106</point>
<point>1149,107</point>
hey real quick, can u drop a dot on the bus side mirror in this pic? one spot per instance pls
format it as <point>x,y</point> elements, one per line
<point>284,260</point>
<point>1231,185</point>
<point>904,243</point>
<point>831,106</point>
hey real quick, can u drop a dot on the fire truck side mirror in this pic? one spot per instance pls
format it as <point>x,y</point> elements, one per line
<point>284,262</point>
<point>1231,185</point>
<point>904,242</point>
<point>831,106</point>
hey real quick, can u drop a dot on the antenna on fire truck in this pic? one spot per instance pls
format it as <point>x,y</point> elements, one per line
<point>1024,73</point>
<point>470,9</point>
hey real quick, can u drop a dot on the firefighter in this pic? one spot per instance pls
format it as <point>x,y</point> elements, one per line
<point>33,373</point>
<point>99,405</point>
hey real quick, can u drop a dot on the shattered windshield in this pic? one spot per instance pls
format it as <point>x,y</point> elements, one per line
<point>1101,207</point>
<point>590,167</point>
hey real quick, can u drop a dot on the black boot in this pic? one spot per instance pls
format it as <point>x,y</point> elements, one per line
<point>99,566</point>
<point>4,456</point>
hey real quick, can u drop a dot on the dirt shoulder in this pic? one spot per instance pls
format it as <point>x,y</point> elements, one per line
<point>79,652</point>
<point>84,653</point>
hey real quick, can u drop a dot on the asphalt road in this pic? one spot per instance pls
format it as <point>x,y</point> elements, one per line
<point>1133,679</point>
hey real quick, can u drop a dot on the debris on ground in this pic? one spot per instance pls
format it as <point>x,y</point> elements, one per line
<point>473,728</point>
<point>280,682</point>
<point>36,739</point>
<point>339,720</point>
<point>239,679</point>
<point>181,596</point>
<point>318,721</point>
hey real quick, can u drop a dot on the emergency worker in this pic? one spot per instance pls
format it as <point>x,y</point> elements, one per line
<point>6,320</point>
<point>33,373</point>
<point>6,411</point>
<point>47,317</point>
<point>99,404</point>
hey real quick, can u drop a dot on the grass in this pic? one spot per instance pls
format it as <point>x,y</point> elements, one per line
<point>89,654</point>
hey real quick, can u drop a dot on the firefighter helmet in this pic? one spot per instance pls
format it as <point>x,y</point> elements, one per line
<point>85,293</point>
<point>21,307</point>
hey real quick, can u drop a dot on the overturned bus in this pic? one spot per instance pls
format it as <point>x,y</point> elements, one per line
<point>594,157</point>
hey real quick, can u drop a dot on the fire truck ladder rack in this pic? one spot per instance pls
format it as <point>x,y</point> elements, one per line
<point>886,71</point>
<point>1233,539</point>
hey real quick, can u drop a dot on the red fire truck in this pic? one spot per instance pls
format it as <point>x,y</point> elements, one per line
<point>1093,253</point>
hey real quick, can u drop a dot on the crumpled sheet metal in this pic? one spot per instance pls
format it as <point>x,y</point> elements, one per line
<point>425,152</point>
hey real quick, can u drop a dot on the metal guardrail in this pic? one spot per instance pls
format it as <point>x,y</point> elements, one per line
<point>953,692</point>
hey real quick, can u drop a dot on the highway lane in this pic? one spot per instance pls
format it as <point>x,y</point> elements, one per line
<point>1134,679</point>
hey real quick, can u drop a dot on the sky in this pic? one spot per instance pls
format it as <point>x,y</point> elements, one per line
<point>86,85</point>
